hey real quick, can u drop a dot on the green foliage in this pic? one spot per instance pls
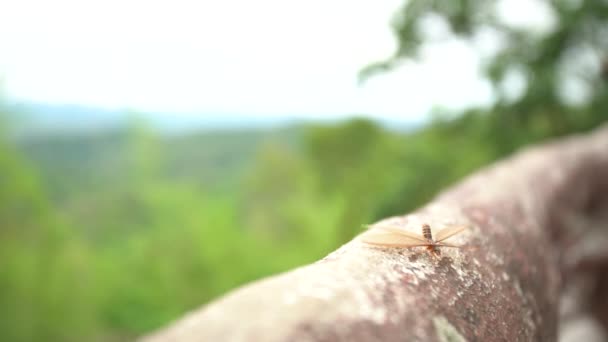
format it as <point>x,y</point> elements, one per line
<point>105,237</point>
<point>131,251</point>
<point>355,162</point>
<point>42,268</point>
<point>572,50</point>
<point>116,255</point>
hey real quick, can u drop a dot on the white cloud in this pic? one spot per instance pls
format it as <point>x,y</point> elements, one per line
<point>265,57</point>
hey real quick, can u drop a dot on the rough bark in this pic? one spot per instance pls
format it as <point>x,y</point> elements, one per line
<point>538,223</point>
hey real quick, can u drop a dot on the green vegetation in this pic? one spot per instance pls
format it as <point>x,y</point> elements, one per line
<point>105,237</point>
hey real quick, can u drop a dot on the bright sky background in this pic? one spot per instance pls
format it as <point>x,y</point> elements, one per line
<point>269,58</point>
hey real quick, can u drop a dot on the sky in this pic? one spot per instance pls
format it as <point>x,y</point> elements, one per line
<point>263,58</point>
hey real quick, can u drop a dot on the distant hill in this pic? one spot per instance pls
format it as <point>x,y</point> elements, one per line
<point>35,119</point>
<point>32,119</point>
<point>70,163</point>
<point>78,147</point>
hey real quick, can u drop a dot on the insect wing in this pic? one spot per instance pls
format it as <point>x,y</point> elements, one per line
<point>448,232</point>
<point>394,237</point>
<point>396,230</point>
<point>443,244</point>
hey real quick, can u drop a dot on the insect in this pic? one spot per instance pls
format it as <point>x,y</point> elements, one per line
<point>396,237</point>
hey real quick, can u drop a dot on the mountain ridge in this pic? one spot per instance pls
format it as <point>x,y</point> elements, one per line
<point>31,119</point>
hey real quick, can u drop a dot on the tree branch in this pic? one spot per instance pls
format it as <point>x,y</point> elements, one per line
<point>530,218</point>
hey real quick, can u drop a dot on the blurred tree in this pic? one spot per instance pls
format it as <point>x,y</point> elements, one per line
<point>339,152</point>
<point>278,182</point>
<point>145,157</point>
<point>447,149</point>
<point>37,260</point>
<point>283,209</point>
<point>356,161</point>
<point>559,62</point>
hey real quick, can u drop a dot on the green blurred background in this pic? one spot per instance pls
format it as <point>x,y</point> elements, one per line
<point>108,234</point>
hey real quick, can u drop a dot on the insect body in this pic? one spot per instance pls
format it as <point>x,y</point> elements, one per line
<point>396,237</point>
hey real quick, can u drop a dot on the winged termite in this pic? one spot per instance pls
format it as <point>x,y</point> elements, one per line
<point>391,236</point>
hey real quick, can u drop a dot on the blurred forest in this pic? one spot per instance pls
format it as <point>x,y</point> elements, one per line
<point>104,237</point>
